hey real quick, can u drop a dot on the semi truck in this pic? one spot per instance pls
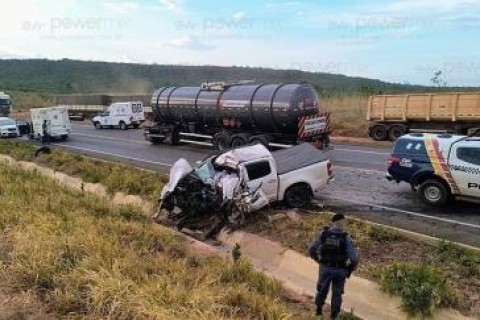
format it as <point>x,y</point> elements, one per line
<point>229,115</point>
<point>5,104</point>
<point>81,106</point>
<point>392,116</point>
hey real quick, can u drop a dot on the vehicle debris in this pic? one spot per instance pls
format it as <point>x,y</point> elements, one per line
<point>221,190</point>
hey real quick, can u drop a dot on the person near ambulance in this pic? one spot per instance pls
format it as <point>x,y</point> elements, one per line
<point>337,257</point>
<point>46,132</point>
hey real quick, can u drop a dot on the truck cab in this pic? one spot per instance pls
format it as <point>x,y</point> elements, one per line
<point>5,105</point>
<point>121,115</point>
<point>438,166</point>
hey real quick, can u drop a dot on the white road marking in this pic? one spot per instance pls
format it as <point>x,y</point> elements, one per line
<point>114,155</point>
<point>109,138</point>
<point>415,214</point>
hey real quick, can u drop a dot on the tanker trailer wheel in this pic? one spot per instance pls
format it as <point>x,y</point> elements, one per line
<point>221,141</point>
<point>260,139</point>
<point>239,140</point>
<point>396,131</point>
<point>379,132</point>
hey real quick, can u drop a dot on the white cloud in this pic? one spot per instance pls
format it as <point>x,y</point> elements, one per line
<point>187,42</point>
<point>170,4</point>
<point>121,7</point>
<point>239,16</point>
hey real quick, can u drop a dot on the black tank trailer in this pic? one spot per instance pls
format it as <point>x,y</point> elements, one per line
<point>229,115</point>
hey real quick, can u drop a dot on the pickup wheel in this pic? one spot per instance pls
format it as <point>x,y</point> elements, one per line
<point>123,125</point>
<point>98,125</point>
<point>434,193</point>
<point>298,196</point>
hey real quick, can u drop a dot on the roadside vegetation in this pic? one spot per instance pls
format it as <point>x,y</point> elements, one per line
<point>116,177</point>
<point>450,271</point>
<point>73,255</point>
<point>444,275</point>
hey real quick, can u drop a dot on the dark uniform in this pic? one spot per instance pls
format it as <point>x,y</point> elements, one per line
<point>334,251</point>
<point>45,133</point>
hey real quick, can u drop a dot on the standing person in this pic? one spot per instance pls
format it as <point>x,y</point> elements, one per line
<point>335,252</point>
<point>45,133</point>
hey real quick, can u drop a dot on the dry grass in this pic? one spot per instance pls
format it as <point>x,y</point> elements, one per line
<point>116,177</point>
<point>82,258</point>
<point>349,114</point>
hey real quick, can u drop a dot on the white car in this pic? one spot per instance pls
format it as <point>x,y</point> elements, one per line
<point>121,115</point>
<point>8,127</point>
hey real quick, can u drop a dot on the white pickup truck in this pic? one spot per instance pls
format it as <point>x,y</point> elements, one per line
<point>121,115</point>
<point>294,175</point>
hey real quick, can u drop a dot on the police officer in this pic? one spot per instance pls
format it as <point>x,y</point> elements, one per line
<point>45,133</point>
<point>335,252</point>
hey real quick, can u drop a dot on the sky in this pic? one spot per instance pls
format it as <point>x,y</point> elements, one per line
<point>402,41</point>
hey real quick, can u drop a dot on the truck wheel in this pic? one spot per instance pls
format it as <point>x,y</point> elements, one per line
<point>298,196</point>
<point>221,141</point>
<point>98,125</point>
<point>434,193</point>
<point>396,131</point>
<point>379,132</point>
<point>123,125</point>
<point>239,140</point>
<point>260,139</point>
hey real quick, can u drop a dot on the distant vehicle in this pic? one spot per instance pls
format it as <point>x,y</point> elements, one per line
<point>121,115</point>
<point>230,115</point>
<point>8,128</point>
<point>23,127</point>
<point>438,166</point>
<point>391,116</point>
<point>58,122</point>
<point>5,104</point>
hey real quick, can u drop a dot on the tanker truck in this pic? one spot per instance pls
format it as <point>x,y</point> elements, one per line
<point>230,115</point>
<point>391,116</point>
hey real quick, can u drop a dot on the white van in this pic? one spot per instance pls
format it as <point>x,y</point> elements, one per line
<point>121,115</point>
<point>58,122</point>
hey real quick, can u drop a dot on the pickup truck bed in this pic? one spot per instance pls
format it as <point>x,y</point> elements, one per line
<point>300,156</point>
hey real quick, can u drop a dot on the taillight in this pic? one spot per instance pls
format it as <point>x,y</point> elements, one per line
<point>393,161</point>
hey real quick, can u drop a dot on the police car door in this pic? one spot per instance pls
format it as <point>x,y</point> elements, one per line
<point>465,166</point>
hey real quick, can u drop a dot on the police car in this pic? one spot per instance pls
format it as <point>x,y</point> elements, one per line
<point>438,166</point>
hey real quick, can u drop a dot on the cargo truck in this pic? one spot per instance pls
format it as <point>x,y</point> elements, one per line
<point>230,115</point>
<point>5,105</point>
<point>391,116</point>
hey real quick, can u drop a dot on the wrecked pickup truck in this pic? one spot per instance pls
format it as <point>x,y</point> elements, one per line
<point>225,187</point>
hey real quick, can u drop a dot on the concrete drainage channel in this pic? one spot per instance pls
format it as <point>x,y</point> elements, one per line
<point>297,272</point>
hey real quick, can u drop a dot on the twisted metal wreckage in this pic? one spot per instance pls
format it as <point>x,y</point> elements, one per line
<point>211,195</point>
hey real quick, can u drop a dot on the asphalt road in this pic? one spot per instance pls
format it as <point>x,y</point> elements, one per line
<point>360,188</point>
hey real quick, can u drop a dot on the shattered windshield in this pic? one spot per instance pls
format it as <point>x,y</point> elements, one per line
<point>205,171</point>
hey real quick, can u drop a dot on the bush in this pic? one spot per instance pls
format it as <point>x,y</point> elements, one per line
<point>421,288</point>
<point>451,256</point>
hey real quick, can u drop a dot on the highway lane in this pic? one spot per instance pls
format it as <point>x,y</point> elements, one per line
<point>342,155</point>
<point>360,189</point>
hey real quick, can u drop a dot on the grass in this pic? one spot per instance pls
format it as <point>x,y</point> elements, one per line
<point>421,287</point>
<point>116,177</point>
<point>381,247</point>
<point>80,257</point>
<point>349,114</point>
